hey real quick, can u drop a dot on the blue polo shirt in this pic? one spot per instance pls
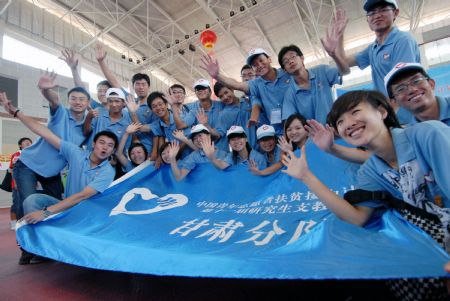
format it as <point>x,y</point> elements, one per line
<point>245,111</point>
<point>399,46</point>
<point>160,128</point>
<point>198,157</point>
<point>269,96</point>
<point>42,157</point>
<point>316,101</point>
<point>254,155</point>
<point>81,174</point>
<point>213,113</point>
<point>444,111</point>
<point>145,116</point>
<point>277,157</point>
<point>103,123</point>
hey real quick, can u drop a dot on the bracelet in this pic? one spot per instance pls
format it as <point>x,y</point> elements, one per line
<point>15,113</point>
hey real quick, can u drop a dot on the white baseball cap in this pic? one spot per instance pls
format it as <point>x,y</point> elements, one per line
<point>235,129</point>
<point>253,53</point>
<point>265,131</point>
<point>198,128</point>
<point>202,82</point>
<point>399,68</point>
<point>370,4</point>
<point>115,92</point>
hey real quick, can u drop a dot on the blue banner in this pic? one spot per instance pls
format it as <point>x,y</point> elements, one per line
<point>232,224</point>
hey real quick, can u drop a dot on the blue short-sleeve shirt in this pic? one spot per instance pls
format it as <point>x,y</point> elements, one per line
<point>81,174</point>
<point>316,101</point>
<point>63,125</point>
<point>199,157</point>
<point>254,155</point>
<point>444,111</point>
<point>269,95</point>
<point>399,46</point>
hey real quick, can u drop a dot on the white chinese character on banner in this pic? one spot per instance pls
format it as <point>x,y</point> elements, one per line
<point>258,233</point>
<point>223,230</point>
<point>190,226</point>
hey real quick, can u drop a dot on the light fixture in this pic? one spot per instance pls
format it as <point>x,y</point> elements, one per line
<point>186,36</point>
<point>231,13</point>
<point>177,41</point>
<point>196,31</point>
<point>123,56</point>
<point>130,60</point>
<point>191,47</point>
<point>181,51</point>
<point>254,2</point>
<point>242,8</point>
<point>207,26</point>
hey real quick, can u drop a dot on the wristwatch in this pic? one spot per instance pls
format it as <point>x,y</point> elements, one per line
<point>46,213</point>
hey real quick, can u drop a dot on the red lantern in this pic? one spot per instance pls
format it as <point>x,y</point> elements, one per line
<point>208,39</point>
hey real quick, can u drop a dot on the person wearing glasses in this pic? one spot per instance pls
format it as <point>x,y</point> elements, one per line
<point>413,89</point>
<point>390,47</point>
<point>309,94</point>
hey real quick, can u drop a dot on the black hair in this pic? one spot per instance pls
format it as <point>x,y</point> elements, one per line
<point>202,131</point>
<point>22,140</point>
<point>285,50</point>
<point>401,75</point>
<point>133,146</point>
<point>139,76</point>
<point>200,87</point>
<point>177,86</point>
<point>104,83</point>
<point>155,95</point>
<point>80,90</point>
<point>217,87</point>
<point>288,122</point>
<point>351,99</point>
<point>235,153</point>
<point>108,134</point>
<point>163,147</point>
<point>246,66</point>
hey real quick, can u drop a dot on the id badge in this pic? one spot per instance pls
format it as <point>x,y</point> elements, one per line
<point>275,116</point>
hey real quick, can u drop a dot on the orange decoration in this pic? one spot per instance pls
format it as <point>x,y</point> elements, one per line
<point>208,39</point>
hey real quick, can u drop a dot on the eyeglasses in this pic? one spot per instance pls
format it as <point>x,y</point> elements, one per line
<point>378,11</point>
<point>403,88</point>
<point>178,92</point>
<point>288,59</point>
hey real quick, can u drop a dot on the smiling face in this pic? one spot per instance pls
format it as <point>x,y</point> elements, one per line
<point>261,65</point>
<point>226,96</point>
<point>101,93</point>
<point>198,139</point>
<point>159,107</point>
<point>238,143</point>
<point>296,132</point>
<point>418,95</point>
<point>203,93</point>
<point>137,155</point>
<point>115,104</point>
<point>78,102</point>
<point>362,125</point>
<point>178,95</point>
<point>267,144</point>
<point>382,18</point>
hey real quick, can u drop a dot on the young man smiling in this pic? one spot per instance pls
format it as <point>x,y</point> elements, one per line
<point>390,47</point>
<point>89,173</point>
<point>266,91</point>
<point>413,89</point>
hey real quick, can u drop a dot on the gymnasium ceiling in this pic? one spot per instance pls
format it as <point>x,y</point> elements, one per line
<point>158,33</point>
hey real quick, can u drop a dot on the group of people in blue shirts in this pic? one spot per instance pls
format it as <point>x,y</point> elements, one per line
<point>398,132</point>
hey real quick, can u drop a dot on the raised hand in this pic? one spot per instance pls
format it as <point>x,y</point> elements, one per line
<point>100,53</point>
<point>133,128</point>
<point>297,167</point>
<point>174,148</point>
<point>253,167</point>
<point>322,136</point>
<point>208,146</point>
<point>284,145</point>
<point>132,105</point>
<point>93,114</point>
<point>202,117</point>
<point>179,135</point>
<point>6,103</point>
<point>69,57</point>
<point>334,33</point>
<point>47,80</point>
<point>210,65</point>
